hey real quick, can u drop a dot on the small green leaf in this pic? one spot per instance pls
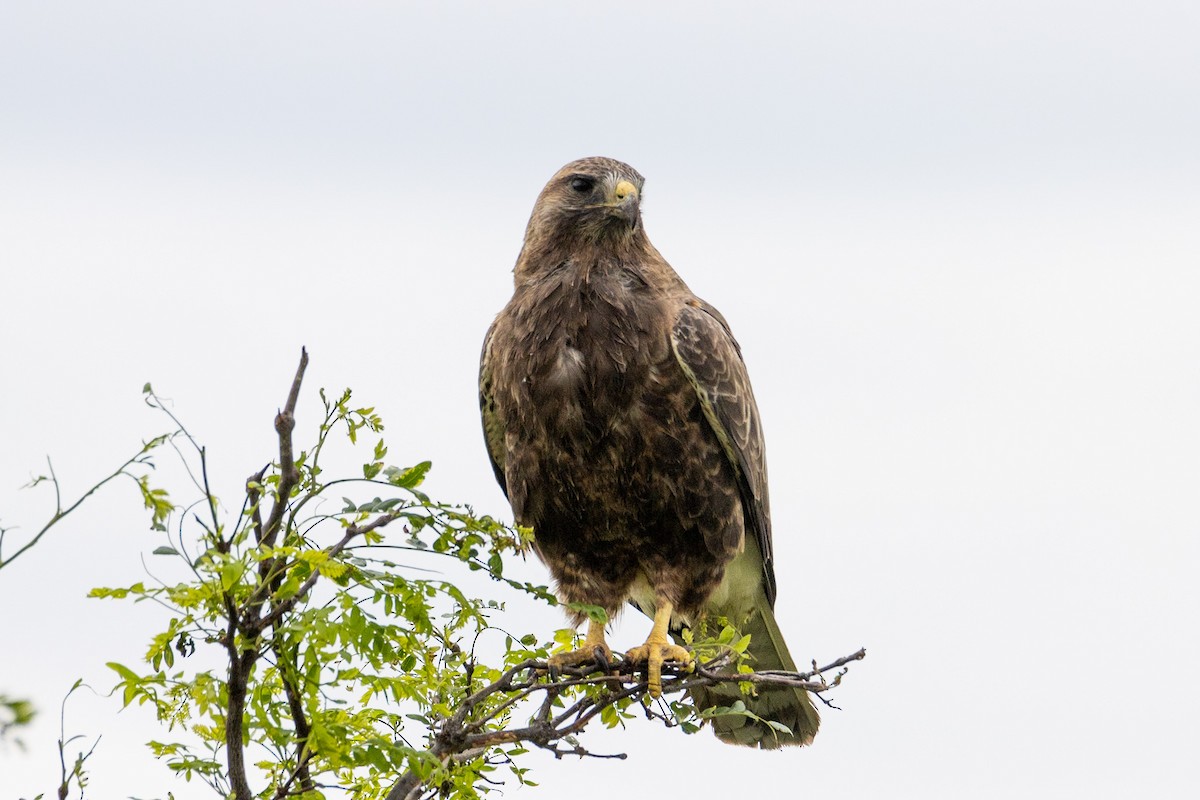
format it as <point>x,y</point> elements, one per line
<point>409,478</point>
<point>231,573</point>
<point>779,726</point>
<point>594,613</point>
<point>165,550</point>
<point>124,671</point>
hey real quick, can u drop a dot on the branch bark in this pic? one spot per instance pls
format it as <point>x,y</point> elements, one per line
<point>285,423</point>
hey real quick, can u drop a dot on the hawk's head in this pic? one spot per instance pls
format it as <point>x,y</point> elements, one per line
<point>592,201</point>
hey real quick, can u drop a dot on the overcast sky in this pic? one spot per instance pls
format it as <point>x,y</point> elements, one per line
<point>958,242</point>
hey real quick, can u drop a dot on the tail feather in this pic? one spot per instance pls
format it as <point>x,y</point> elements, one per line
<point>784,704</point>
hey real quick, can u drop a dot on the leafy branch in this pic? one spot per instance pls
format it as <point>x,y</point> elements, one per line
<point>554,725</point>
<point>345,668</point>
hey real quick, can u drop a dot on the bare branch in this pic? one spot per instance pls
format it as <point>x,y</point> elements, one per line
<point>285,423</point>
<point>253,496</point>
<point>783,678</point>
<point>208,495</point>
<point>60,512</point>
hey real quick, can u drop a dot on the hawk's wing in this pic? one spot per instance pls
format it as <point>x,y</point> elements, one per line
<point>712,360</point>
<point>493,428</point>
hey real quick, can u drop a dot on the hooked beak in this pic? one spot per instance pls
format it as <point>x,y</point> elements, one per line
<point>624,202</point>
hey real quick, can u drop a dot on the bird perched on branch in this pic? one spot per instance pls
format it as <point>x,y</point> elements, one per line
<point>620,423</point>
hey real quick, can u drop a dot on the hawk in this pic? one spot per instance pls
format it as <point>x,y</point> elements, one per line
<point>620,422</point>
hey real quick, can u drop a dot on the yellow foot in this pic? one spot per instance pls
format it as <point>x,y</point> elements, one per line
<point>654,653</point>
<point>591,654</point>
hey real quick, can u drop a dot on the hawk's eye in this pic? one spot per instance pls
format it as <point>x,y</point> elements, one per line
<point>582,185</point>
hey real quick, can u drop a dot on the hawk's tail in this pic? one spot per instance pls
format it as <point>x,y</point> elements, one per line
<point>784,704</point>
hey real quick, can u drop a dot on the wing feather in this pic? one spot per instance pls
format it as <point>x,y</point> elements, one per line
<point>712,361</point>
<point>493,426</point>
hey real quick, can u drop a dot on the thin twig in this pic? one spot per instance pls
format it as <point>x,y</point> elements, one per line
<point>60,512</point>
<point>287,604</point>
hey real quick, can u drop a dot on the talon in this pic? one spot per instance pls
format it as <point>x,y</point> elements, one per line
<point>595,651</point>
<point>590,654</point>
<point>654,655</point>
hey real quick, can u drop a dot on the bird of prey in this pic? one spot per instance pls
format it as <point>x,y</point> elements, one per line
<point>620,423</point>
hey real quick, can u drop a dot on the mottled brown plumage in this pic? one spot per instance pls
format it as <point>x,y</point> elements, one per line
<point>620,422</point>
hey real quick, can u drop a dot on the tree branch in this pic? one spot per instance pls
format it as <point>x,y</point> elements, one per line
<point>462,733</point>
<point>240,665</point>
<point>288,668</point>
<point>285,423</point>
<point>241,661</point>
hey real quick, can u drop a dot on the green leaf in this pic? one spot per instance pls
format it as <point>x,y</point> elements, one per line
<point>231,573</point>
<point>779,726</point>
<point>594,613</point>
<point>409,478</point>
<point>165,550</point>
<point>332,569</point>
<point>124,671</point>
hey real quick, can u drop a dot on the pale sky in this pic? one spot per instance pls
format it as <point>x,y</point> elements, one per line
<point>958,243</point>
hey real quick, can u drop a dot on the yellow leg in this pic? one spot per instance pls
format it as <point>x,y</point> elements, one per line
<point>586,654</point>
<point>659,648</point>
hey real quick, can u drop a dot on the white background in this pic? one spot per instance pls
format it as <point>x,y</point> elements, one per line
<point>958,242</point>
